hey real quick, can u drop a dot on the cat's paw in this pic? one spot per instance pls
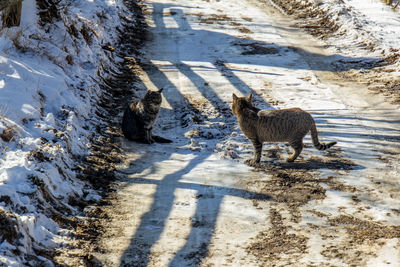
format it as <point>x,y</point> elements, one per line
<point>290,160</point>
<point>252,162</point>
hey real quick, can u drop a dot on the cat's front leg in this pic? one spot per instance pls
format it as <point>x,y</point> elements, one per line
<point>257,153</point>
<point>149,136</point>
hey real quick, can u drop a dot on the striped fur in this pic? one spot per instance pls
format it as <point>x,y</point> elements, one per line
<point>139,118</point>
<point>286,125</point>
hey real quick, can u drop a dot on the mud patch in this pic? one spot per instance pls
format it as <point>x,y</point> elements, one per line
<point>272,244</point>
<point>222,19</point>
<point>243,29</point>
<point>361,231</point>
<point>291,186</point>
<point>294,187</point>
<point>213,18</point>
<point>255,48</point>
<point>299,182</point>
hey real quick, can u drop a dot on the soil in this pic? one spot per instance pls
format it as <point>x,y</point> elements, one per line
<point>276,241</point>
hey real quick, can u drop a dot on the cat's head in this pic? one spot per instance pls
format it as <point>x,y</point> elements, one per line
<point>240,103</point>
<point>153,97</point>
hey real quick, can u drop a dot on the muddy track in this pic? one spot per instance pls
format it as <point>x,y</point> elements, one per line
<point>194,202</point>
<point>106,152</point>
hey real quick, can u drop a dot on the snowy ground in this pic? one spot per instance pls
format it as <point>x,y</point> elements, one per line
<point>50,67</point>
<point>195,203</point>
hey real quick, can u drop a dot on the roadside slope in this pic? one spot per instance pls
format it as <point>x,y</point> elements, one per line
<point>51,69</point>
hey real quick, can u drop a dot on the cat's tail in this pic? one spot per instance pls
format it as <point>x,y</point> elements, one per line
<point>315,141</point>
<point>160,139</point>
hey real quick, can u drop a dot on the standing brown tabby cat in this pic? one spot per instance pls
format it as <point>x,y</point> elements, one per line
<point>286,125</point>
<point>139,117</point>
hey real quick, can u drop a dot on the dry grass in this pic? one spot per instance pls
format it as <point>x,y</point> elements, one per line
<point>48,11</point>
<point>8,229</point>
<point>11,13</point>
<point>8,134</point>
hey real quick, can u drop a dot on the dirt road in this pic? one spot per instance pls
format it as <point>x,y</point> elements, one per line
<point>195,203</point>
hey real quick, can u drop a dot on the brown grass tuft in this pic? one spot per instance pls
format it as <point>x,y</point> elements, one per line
<point>11,11</point>
<point>8,134</point>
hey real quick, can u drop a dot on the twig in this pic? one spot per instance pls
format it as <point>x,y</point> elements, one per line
<point>6,147</point>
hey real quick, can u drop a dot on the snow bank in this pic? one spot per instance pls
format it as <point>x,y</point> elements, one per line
<point>356,24</point>
<point>49,66</point>
<point>364,31</point>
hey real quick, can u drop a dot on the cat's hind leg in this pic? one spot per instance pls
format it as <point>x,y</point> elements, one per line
<point>298,147</point>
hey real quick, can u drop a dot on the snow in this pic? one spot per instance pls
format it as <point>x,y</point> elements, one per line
<point>47,92</point>
<point>385,257</point>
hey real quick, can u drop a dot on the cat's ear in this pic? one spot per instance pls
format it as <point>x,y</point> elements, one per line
<point>234,97</point>
<point>248,98</point>
<point>160,90</point>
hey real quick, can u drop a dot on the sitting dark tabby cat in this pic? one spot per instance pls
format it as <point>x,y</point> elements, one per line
<point>139,117</point>
<point>286,125</point>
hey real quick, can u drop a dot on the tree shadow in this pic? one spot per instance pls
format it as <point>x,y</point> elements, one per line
<point>152,223</point>
<point>239,50</point>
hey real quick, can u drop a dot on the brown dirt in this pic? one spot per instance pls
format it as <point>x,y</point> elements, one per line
<point>298,183</point>
<point>258,49</point>
<point>222,19</point>
<point>243,29</point>
<point>361,231</point>
<point>276,241</point>
<point>214,18</point>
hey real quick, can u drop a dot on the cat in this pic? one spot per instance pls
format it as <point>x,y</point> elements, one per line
<point>139,117</point>
<point>285,125</point>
